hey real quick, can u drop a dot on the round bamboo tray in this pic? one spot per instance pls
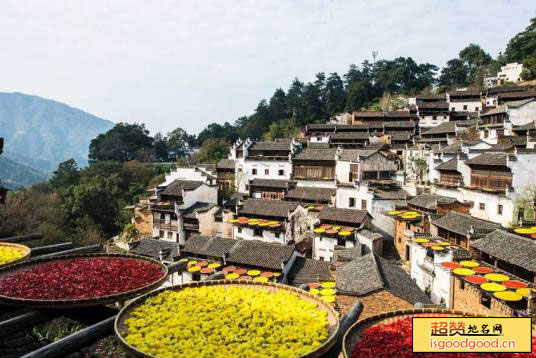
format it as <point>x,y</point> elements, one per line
<point>353,334</point>
<point>75,303</point>
<point>26,252</point>
<point>333,317</point>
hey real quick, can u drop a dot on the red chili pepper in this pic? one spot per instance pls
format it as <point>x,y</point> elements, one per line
<point>80,278</point>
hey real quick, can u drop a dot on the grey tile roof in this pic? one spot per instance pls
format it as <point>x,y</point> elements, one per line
<point>346,254</point>
<point>516,95</point>
<point>443,128</point>
<point>318,145</point>
<point>350,135</point>
<point>517,104</point>
<point>432,105</point>
<point>399,124</point>
<point>465,224</point>
<point>430,201</point>
<point>310,193</point>
<point>260,254</point>
<point>498,110</point>
<point>368,114</point>
<point>151,248</point>
<point>347,216</point>
<point>525,127</point>
<point>271,146</point>
<point>268,208</point>
<point>208,246</point>
<point>269,183</point>
<point>401,136</point>
<point>397,114</point>
<point>451,164</point>
<point>226,164</point>
<point>306,270</point>
<point>488,158</point>
<point>392,194</point>
<point>509,247</point>
<point>370,273</point>
<point>467,93</point>
<point>177,186</point>
<point>198,207</point>
<point>352,154</point>
<point>316,154</point>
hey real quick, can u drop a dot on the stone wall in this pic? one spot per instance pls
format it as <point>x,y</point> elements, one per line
<point>469,299</point>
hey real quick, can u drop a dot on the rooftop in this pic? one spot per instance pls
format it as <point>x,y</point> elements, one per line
<point>346,216</point>
<point>269,183</point>
<point>271,146</point>
<point>152,247</point>
<point>306,270</point>
<point>208,246</point>
<point>311,193</point>
<point>443,128</point>
<point>430,201</point>
<point>489,158</point>
<point>509,247</point>
<point>370,273</point>
<point>465,224</point>
<point>268,208</point>
<point>451,164</point>
<point>226,164</point>
<point>260,254</point>
<point>316,154</point>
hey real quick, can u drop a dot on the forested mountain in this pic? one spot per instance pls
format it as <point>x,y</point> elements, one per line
<point>15,174</point>
<point>46,130</point>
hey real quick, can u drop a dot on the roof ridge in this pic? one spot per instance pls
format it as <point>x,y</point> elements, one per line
<point>378,269</point>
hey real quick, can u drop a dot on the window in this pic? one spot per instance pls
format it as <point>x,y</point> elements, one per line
<point>363,205</point>
<point>254,171</point>
<point>486,134</point>
<point>499,209</point>
<point>169,235</point>
<point>465,107</point>
<point>434,117</point>
<point>266,171</point>
<point>318,139</point>
<point>482,206</point>
<point>351,202</point>
<point>239,229</point>
<point>257,232</point>
<point>321,258</point>
<point>477,109</point>
<point>408,226</point>
<point>462,284</point>
<point>281,172</point>
<point>453,109</point>
<point>277,234</point>
<point>161,234</point>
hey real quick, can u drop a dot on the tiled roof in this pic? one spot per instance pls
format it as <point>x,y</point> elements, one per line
<point>316,154</point>
<point>401,136</point>
<point>447,127</point>
<point>432,105</point>
<point>397,114</point>
<point>198,207</point>
<point>177,186</point>
<point>226,164</point>
<point>488,158</point>
<point>310,193</point>
<point>517,95</point>
<point>525,127</point>
<point>348,216</point>
<point>318,145</point>
<point>517,104</point>
<point>352,154</point>
<point>399,124</point>
<point>208,246</point>
<point>430,201</point>
<point>260,254</point>
<point>268,208</point>
<point>465,224</point>
<point>471,93</point>
<point>368,114</point>
<point>498,110</point>
<point>271,146</point>
<point>270,183</point>
<point>514,249</point>
<point>456,147</point>
<point>370,273</point>
<point>505,89</point>
<point>346,254</point>
<point>350,135</point>
<point>395,194</point>
<point>448,165</point>
<point>431,97</point>
<point>151,248</point>
<point>308,270</point>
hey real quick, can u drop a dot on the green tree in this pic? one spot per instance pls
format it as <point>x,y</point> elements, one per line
<point>178,143</point>
<point>454,74</point>
<point>67,174</point>
<point>160,147</point>
<point>282,129</point>
<point>278,105</point>
<point>121,143</point>
<point>213,150</point>
<point>522,45</point>
<point>474,57</point>
<point>333,94</point>
<point>295,100</point>
<point>529,68</point>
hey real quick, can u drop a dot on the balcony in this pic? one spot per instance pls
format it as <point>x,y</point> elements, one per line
<point>162,225</point>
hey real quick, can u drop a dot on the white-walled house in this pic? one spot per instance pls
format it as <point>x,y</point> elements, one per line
<point>286,221</point>
<point>262,160</point>
<point>500,121</point>
<point>324,243</point>
<point>464,101</point>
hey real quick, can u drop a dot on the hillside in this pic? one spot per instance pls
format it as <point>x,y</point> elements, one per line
<point>46,131</point>
<point>15,174</point>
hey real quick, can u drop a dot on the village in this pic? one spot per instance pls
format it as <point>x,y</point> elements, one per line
<point>431,205</point>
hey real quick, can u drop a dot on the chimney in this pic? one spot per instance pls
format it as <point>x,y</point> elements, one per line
<point>161,255</point>
<point>224,258</point>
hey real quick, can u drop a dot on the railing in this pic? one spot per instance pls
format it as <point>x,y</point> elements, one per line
<point>161,224</point>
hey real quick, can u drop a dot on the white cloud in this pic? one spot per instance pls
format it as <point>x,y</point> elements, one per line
<point>189,63</point>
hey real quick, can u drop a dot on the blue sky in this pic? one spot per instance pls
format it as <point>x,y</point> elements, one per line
<point>189,63</point>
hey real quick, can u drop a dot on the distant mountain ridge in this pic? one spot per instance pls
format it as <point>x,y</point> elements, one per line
<point>40,133</point>
<point>15,174</point>
<point>47,130</point>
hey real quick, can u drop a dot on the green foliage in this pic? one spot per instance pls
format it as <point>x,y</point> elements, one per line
<point>282,129</point>
<point>67,174</point>
<point>122,143</point>
<point>419,167</point>
<point>213,150</point>
<point>529,68</point>
<point>522,45</point>
<point>179,143</point>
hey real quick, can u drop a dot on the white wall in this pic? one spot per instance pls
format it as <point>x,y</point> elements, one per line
<point>204,194</point>
<point>511,72</point>
<point>429,121</point>
<point>316,184</point>
<point>273,167</point>
<point>267,235</point>
<point>522,115</point>
<point>323,247</point>
<point>470,106</point>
